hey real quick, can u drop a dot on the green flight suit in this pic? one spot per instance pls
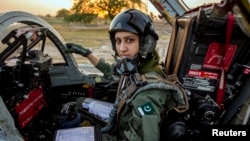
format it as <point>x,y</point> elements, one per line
<point>140,117</point>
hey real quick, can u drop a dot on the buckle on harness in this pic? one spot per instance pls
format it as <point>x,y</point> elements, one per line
<point>137,79</point>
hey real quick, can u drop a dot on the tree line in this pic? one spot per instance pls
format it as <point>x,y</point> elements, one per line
<point>85,11</point>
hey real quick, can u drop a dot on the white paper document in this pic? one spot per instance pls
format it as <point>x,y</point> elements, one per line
<point>76,134</point>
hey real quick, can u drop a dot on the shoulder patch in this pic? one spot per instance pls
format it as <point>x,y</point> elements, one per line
<point>146,109</point>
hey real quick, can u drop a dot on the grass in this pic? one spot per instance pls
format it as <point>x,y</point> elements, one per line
<point>89,36</point>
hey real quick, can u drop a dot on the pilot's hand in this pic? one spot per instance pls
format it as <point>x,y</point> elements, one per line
<point>76,48</point>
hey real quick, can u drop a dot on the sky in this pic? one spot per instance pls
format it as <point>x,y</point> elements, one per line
<point>44,7</point>
<point>39,7</point>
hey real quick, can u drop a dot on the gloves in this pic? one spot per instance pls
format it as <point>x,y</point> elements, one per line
<point>76,48</point>
<point>68,107</point>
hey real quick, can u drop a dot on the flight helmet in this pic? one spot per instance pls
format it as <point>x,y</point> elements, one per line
<point>135,21</point>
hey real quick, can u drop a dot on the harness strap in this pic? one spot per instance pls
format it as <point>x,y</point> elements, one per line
<point>222,84</point>
<point>128,92</point>
<point>119,86</point>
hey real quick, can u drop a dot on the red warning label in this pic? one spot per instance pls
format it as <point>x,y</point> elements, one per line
<point>203,74</point>
<point>215,59</point>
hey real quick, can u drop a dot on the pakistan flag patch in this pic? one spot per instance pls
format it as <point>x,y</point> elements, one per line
<point>146,109</point>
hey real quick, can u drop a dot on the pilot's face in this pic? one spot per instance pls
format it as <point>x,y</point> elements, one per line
<point>127,44</point>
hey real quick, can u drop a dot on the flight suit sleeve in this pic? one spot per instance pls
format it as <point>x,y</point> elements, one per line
<point>143,122</point>
<point>105,68</point>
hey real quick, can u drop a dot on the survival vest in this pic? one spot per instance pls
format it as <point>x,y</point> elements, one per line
<point>141,82</point>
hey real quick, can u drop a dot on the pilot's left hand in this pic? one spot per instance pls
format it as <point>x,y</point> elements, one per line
<point>76,48</point>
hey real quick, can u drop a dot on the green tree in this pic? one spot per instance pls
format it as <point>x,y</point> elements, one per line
<point>83,6</point>
<point>137,4</point>
<point>48,15</point>
<point>106,8</point>
<point>62,12</point>
<point>111,7</point>
<point>80,18</point>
